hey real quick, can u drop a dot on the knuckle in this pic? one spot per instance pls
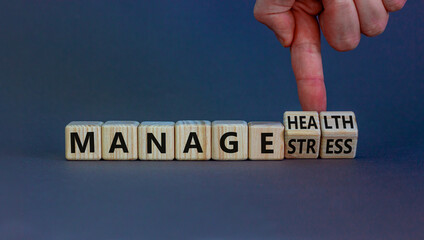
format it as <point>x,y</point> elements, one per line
<point>259,14</point>
<point>341,4</point>
<point>309,47</point>
<point>311,80</point>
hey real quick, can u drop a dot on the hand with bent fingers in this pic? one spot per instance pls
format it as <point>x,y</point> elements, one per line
<point>295,24</point>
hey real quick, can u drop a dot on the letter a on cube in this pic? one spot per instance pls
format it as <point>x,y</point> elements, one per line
<point>119,140</point>
<point>83,140</point>
<point>229,140</point>
<point>193,140</point>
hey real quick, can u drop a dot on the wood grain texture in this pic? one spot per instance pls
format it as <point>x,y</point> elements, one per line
<point>111,130</point>
<point>266,141</point>
<point>302,134</point>
<point>157,129</point>
<point>224,147</point>
<point>185,133</point>
<point>339,134</point>
<point>80,129</point>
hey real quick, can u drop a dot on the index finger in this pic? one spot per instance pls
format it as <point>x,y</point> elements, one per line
<point>307,63</point>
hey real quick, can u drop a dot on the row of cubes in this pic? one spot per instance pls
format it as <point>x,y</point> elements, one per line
<point>304,134</point>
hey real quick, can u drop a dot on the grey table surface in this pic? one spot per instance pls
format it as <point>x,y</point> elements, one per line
<point>374,198</point>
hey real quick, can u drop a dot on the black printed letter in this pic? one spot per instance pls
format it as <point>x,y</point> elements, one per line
<point>123,145</point>
<point>151,138</point>
<point>232,143</point>
<point>265,143</point>
<point>88,137</point>
<point>293,148</point>
<point>193,136</point>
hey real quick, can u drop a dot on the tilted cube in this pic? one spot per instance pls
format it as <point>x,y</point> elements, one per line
<point>302,134</point>
<point>339,138</point>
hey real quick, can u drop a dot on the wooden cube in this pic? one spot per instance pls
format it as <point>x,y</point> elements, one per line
<point>339,136</point>
<point>156,140</point>
<point>229,140</point>
<point>83,140</point>
<point>119,140</point>
<point>302,134</point>
<point>193,140</point>
<point>266,141</point>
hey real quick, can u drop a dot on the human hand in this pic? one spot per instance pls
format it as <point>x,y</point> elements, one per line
<point>295,24</point>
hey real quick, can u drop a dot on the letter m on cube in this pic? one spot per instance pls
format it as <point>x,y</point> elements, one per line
<point>83,140</point>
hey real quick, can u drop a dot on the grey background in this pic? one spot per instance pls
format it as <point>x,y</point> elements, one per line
<point>171,60</point>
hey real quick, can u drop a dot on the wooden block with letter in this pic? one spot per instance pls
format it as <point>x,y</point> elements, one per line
<point>339,134</point>
<point>156,140</point>
<point>229,140</point>
<point>83,140</point>
<point>302,134</point>
<point>193,140</point>
<point>119,140</point>
<point>266,141</point>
